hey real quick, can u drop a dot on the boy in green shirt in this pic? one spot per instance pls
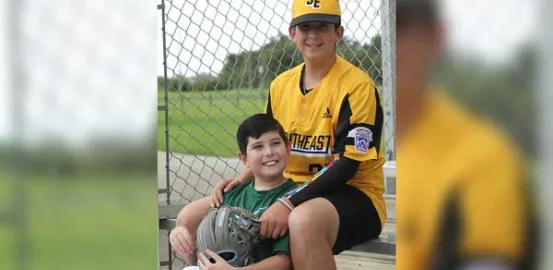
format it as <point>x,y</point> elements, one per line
<point>264,149</point>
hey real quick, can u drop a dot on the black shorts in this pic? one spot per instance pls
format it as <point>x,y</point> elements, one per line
<point>359,221</point>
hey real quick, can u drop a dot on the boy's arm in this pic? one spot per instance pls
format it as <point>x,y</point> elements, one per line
<point>280,258</point>
<point>337,174</point>
<point>192,214</point>
<point>182,237</point>
<point>279,261</point>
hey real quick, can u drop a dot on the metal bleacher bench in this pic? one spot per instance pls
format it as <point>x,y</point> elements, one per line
<point>384,245</point>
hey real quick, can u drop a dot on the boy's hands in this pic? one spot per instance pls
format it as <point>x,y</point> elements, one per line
<point>223,186</point>
<point>182,241</point>
<point>216,262</point>
<point>274,221</point>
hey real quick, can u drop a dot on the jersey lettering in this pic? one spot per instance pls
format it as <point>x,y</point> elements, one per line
<point>306,142</point>
<point>321,142</point>
<point>307,145</point>
<point>301,141</point>
<point>313,145</point>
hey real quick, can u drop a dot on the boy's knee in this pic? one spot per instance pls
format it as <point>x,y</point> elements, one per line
<point>299,220</point>
<point>193,267</point>
<point>190,260</point>
<point>314,217</point>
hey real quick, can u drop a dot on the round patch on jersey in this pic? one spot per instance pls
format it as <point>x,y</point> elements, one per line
<point>363,138</point>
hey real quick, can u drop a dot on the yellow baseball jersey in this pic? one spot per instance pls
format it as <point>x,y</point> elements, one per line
<point>460,191</point>
<point>342,115</point>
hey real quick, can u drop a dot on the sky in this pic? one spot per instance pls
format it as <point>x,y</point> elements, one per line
<point>490,29</point>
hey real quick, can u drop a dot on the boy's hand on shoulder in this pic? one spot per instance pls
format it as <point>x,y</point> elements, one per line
<point>274,221</point>
<point>216,262</point>
<point>182,241</point>
<point>223,186</point>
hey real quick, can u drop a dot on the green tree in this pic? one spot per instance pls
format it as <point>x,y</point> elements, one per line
<point>365,56</point>
<point>257,68</point>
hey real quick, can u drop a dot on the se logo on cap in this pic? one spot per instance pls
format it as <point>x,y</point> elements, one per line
<point>313,3</point>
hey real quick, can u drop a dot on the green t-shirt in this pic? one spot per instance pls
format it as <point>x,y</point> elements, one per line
<point>245,196</point>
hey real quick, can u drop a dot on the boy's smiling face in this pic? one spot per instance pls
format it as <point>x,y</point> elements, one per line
<point>316,39</point>
<point>266,156</point>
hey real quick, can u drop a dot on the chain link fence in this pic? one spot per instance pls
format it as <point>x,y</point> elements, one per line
<point>219,58</point>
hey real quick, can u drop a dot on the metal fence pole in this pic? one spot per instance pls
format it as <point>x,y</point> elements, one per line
<point>166,102</point>
<point>165,109</point>
<point>388,74</point>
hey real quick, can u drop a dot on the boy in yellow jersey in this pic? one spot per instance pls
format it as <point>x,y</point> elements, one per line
<point>462,200</point>
<point>331,113</point>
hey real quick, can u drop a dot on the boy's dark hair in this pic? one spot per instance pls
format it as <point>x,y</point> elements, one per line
<point>411,12</point>
<point>336,26</point>
<point>255,126</point>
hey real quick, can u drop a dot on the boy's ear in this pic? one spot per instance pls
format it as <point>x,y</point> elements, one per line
<point>340,33</point>
<point>292,32</point>
<point>289,149</point>
<point>242,158</point>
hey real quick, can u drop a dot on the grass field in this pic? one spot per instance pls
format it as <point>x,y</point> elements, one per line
<point>85,223</point>
<point>205,123</point>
